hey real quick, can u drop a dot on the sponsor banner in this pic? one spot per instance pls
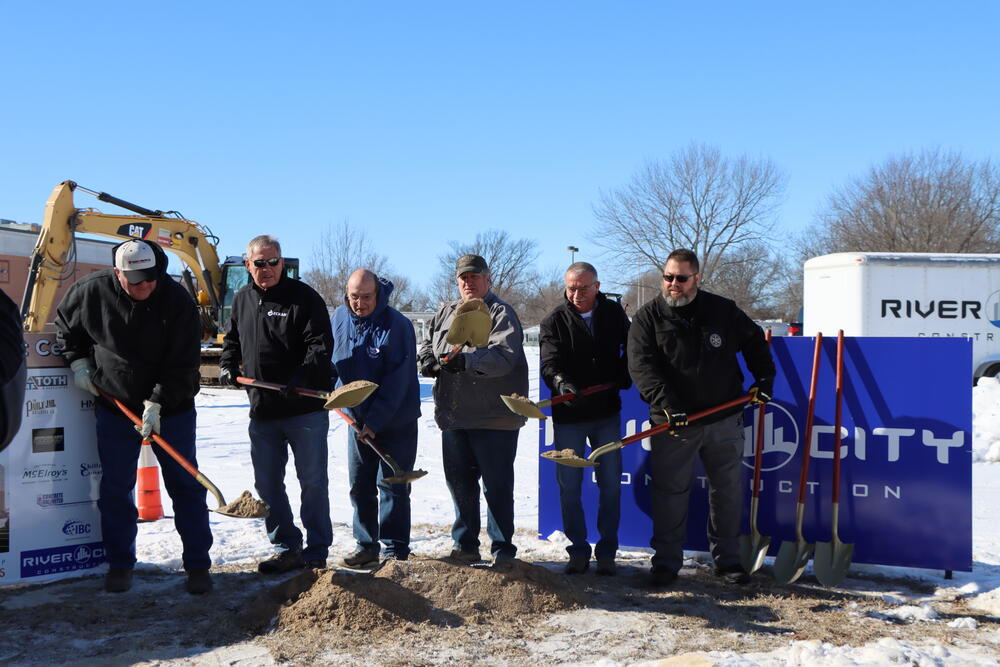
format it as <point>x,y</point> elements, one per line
<point>43,352</point>
<point>906,455</point>
<point>61,559</point>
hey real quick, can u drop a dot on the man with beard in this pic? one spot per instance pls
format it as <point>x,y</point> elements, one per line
<point>682,351</point>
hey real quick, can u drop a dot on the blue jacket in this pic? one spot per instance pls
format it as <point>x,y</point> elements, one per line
<point>382,348</point>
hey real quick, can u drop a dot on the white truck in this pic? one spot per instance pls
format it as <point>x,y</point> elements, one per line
<point>907,294</point>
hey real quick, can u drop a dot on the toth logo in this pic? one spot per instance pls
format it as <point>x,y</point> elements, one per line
<point>275,313</point>
<point>47,382</point>
<point>44,407</point>
<point>45,472</point>
<point>48,440</point>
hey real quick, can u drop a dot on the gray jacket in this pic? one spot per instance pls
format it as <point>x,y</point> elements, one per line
<point>471,399</point>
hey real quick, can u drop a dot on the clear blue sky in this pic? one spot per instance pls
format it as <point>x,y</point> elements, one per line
<point>427,122</point>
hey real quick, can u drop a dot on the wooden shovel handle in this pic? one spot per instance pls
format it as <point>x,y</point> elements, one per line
<point>745,398</point>
<point>758,456</point>
<point>562,398</point>
<point>839,414</point>
<point>261,384</point>
<point>810,412</point>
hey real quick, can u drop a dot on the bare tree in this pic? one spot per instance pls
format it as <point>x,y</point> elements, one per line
<point>932,201</point>
<point>340,250</point>
<point>511,263</point>
<point>754,277</point>
<point>697,199</point>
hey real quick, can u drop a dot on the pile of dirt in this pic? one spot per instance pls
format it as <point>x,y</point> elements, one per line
<point>246,506</point>
<point>439,593</point>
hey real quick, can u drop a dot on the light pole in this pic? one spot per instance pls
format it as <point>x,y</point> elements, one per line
<point>572,253</point>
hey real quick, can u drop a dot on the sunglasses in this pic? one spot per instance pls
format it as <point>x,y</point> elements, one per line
<point>261,263</point>
<point>676,278</point>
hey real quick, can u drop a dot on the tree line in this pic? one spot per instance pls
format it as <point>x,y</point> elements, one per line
<point>726,210</point>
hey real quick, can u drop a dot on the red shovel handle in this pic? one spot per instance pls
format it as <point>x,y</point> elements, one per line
<point>810,412</point>
<point>839,413</point>
<point>562,398</point>
<point>167,447</point>
<point>758,456</point>
<point>260,384</point>
<point>745,398</point>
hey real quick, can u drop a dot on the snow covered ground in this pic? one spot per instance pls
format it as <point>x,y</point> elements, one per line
<point>223,451</point>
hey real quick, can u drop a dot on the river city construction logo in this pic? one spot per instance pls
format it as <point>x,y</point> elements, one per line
<point>61,559</point>
<point>993,309</point>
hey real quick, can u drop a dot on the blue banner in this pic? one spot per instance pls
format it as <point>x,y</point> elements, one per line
<point>906,448</point>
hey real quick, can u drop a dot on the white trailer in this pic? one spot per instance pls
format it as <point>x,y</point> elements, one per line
<point>907,294</point>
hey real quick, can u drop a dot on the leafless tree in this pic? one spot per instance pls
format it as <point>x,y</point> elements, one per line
<point>931,201</point>
<point>697,199</point>
<point>511,263</point>
<point>341,249</point>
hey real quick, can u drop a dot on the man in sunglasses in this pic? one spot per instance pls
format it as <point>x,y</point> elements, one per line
<point>134,334</point>
<point>280,332</point>
<point>682,351</point>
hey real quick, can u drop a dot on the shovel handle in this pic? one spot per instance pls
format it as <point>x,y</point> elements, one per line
<point>260,384</point>
<point>562,398</point>
<point>745,398</point>
<point>382,454</point>
<point>838,418</point>
<point>758,455</point>
<point>810,412</point>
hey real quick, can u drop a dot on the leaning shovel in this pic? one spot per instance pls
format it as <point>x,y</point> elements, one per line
<point>347,396</point>
<point>399,476</point>
<point>793,557</point>
<point>568,457</point>
<point>260,509</point>
<point>833,558</point>
<point>526,408</point>
<point>753,547</point>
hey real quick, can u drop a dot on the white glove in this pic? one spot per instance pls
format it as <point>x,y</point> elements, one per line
<point>150,419</point>
<point>83,369</point>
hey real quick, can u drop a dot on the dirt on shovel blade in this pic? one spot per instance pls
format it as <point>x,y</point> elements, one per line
<point>357,384</point>
<point>245,506</point>
<point>560,454</point>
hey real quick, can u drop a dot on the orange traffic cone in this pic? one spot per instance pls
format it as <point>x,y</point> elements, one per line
<point>148,484</point>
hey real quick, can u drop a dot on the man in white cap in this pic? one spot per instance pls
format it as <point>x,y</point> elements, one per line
<point>134,334</point>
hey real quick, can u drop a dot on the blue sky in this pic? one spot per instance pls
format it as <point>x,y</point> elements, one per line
<point>427,122</point>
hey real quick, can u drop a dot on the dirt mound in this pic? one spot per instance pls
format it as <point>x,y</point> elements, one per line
<point>434,592</point>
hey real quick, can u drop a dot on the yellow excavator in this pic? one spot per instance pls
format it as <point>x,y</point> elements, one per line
<point>54,257</point>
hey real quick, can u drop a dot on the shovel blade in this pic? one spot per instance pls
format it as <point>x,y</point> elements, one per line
<point>350,395</point>
<point>523,406</point>
<point>405,477</point>
<point>574,461</point>
<point>753,550</point>
<point>832,561</point>
<point>791,560</point>
<point>472,327</point>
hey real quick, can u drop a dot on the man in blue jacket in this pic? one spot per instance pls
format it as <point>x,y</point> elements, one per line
<point>375,342</point>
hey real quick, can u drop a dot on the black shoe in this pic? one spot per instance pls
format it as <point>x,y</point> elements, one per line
<point>362,558</point>
<point>733,574</point>
<point>606,567</point>
<point>198,582</point>
<point>466,556</point>
<point>314,563</point>
<point>118,581</point>
<point>577,565</point>
<point>282,562</point>
<point>660,575</point>
<point>502,557</point>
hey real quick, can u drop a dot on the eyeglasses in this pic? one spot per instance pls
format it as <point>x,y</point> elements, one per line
<point>261,263</point>
<point>676,278</point>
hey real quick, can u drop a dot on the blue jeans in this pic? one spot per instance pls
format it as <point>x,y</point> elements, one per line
<point>382,511</point>
<point>467,456</point>
<point>118,446</point>
<point>609,478</point>
<point>270,440</point>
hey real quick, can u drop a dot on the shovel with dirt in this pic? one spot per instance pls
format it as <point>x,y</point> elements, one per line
<point>522,405</point>
<point>793,557</point>
<point>568,457</point>
<point>244,507</point>
<point>832,558</point>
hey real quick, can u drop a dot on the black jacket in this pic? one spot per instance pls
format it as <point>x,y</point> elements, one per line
<point>281,334</point>
<point>12,370</point>
<point>584,359</point>
<point>689,365</point>
<point>143,350</point>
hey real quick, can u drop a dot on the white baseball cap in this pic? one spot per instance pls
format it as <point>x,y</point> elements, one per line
<point>137,261</point>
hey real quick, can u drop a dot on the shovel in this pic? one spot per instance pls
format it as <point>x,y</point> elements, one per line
<point>753,547</point>
<point>223,508</point>
<point>472,324</point>
<point>523,406</point>
<point>399,476</point>
<point>347,396</point>
<point>793,557</point>
<point>833,558</point>
<point>568,457</point>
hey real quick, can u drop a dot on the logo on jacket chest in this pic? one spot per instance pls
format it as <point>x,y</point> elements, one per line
<point>276,313</point>
<point>715,341</point>
<point>378,339</point>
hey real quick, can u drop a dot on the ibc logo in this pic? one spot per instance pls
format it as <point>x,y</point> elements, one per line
<point>77,528</point>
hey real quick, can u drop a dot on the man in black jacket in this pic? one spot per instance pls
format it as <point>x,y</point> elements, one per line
<point>280,332</point>
<point>682,356</point>
<point>583,344</point>
<point>13,370</point>
<point>134,333</point>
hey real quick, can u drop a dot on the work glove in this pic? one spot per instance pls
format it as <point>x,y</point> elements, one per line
<point>564,386</point>
<point>83,369</point>
<point>288,391</point>
<point>456,364</point>
<point>150,419</point>
<point>227,377</point>
<point>429,367</point>
<point>676,419</point>
<point>760,392</point>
